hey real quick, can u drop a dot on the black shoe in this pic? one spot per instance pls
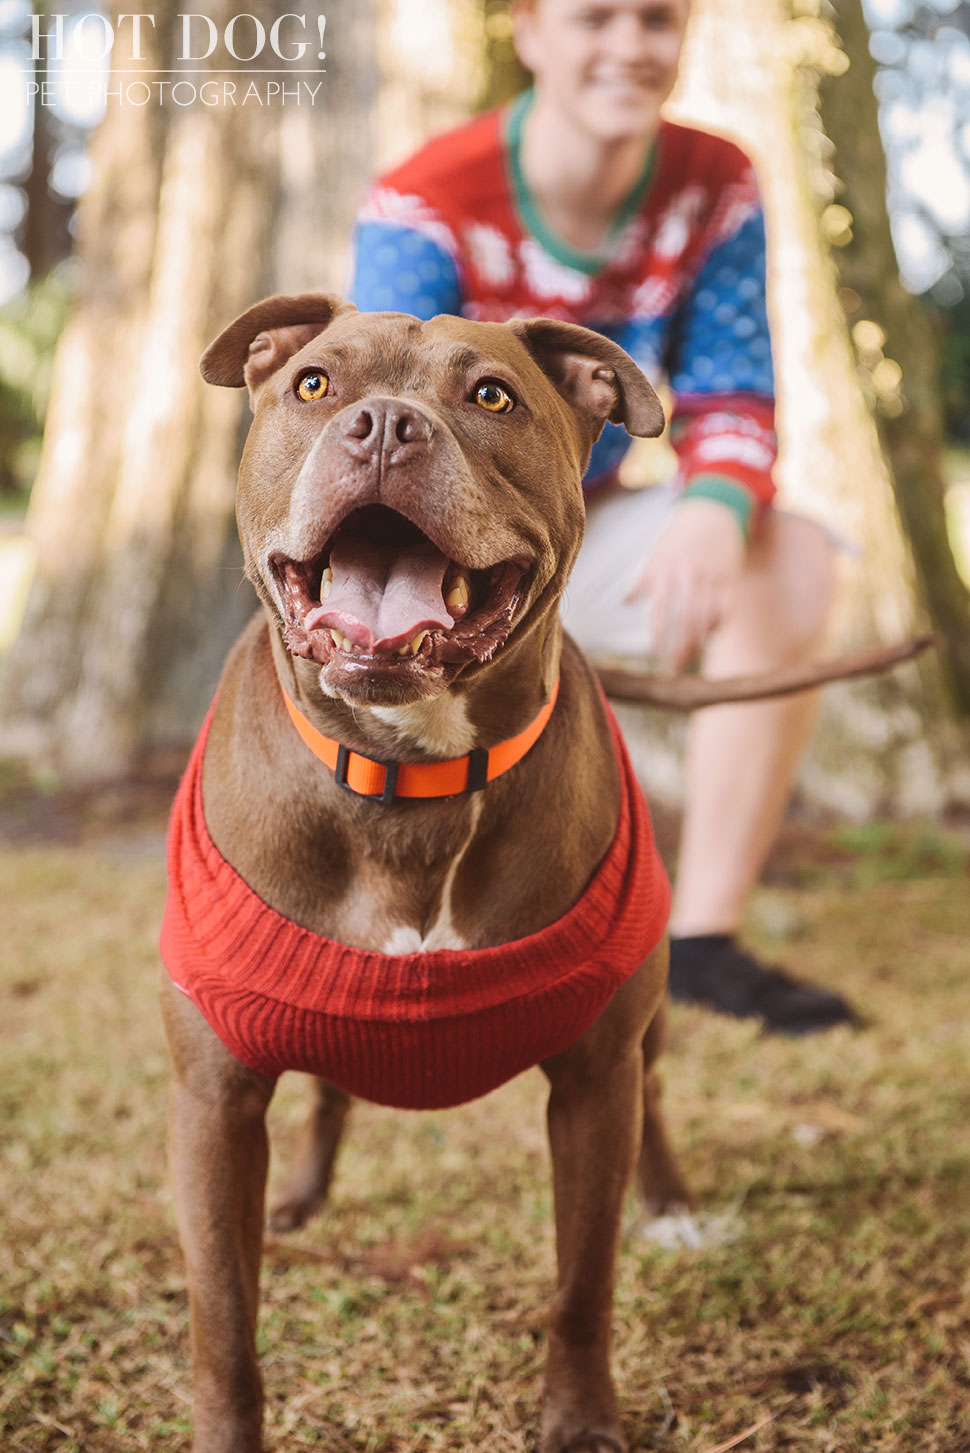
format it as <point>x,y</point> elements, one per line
<point>712,970</point>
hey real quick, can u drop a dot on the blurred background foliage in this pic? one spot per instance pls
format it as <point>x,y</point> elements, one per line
<point>955,320</point>
<point>43,171</point>
<point>30,325</point>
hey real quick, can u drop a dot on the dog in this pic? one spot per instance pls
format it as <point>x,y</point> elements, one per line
<point>409,855</point>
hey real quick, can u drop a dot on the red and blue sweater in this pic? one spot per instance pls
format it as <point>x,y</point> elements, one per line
<point>679,282</point>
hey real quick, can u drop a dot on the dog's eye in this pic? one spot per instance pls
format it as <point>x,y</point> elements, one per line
<point>312,386</point>
<point>491,395</point>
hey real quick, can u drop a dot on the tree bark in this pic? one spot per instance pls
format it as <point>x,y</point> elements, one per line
<point>901,369</point>
<point>44,235</point>
<point>95,358</point>
<point>132,506</point>
<point>195,212</point>
<point>327,156</point>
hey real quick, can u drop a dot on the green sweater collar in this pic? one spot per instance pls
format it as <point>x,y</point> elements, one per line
<point>528,210</point>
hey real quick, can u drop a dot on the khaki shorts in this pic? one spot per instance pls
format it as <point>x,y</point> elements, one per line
<point>621,529</point>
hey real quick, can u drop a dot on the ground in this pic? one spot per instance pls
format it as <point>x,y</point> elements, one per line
<point>826,1300</point>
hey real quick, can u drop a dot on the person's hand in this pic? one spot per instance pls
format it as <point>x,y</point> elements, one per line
<point>690,578</point>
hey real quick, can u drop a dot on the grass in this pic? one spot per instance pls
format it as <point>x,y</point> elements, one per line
<point>830,1296</point>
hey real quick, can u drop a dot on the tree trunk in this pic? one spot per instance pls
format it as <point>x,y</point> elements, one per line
<point>132,506</point>
<point>44,235</point>
<point>194,213</point>
<point>395,75</point>
<point>327,156</point>
<point>95,358</point>
<point>750,70</point>
<point>896,345</point>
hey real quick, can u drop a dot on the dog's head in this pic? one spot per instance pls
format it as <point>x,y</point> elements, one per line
<point>410,493</point>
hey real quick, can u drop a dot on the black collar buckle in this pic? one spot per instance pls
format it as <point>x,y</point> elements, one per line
<point>390,776</point>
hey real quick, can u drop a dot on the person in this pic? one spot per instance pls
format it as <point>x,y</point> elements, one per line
<point>580,201</point>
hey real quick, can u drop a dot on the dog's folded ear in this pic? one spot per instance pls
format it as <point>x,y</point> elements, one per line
<point>260,340</point>
<point>593,374</point>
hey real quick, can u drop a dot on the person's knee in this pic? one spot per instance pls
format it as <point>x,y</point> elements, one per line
<point>810,575</point>
<point>791,584</point>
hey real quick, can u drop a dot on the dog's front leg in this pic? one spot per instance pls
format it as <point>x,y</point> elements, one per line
<point>219,1158</point>
<point>595,1118</point>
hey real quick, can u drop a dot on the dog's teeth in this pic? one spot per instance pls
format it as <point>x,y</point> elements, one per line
<point>412,647</point>
<point>337,639</point>
<point>326,583</point>
<point>458,594</point>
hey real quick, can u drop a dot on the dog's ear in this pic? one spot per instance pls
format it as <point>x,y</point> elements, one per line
<point>260,340</point>
<point>593,374</point>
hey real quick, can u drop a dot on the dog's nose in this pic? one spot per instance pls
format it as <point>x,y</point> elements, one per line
<point>383,425</point>
<point>411,427</point>
<point>361,425</point>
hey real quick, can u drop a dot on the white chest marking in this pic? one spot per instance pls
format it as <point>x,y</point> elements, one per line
<point>406,939</point>
<point>439,727</point>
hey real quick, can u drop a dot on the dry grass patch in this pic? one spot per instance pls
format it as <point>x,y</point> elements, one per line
<point>831,1296</point>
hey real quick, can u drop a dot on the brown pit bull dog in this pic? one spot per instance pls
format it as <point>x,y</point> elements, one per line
<point>409,856</point>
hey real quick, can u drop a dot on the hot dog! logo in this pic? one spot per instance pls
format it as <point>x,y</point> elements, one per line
<point>114,60</point>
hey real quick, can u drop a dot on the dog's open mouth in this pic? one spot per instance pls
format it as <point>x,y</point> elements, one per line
<point>383,596</point>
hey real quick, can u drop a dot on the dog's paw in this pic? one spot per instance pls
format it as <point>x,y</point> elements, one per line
<point>289,1213</point>
<point>588,1441</point>
<point>569,1432</point>
<point>679,1229</point>
<point>595,1443</point>
<point>653,1208</point>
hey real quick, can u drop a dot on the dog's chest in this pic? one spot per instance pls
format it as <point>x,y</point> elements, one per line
<point>409,906</point>
<point>410,903</point>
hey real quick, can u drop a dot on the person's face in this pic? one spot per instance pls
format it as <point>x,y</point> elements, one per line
<point>607,65</point>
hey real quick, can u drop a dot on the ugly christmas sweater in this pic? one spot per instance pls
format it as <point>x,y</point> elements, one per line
<point>679,283</point>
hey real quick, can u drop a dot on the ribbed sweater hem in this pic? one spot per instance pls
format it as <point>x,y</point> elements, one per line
<point>420,1030</point>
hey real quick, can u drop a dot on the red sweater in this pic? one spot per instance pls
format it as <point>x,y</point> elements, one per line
<point>418,1030</point>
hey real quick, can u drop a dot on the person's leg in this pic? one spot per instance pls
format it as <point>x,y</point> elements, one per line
<point>741,763</point>
<point>741,760</point>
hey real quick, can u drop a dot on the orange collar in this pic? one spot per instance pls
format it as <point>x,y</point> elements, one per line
<point>371,777</point>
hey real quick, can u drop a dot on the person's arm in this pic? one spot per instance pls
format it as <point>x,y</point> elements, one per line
<point>721,373</point>
<point>722,429</point>
<point>404,259</point>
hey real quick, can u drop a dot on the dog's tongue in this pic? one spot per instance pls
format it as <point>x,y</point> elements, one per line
<point>382,595</point>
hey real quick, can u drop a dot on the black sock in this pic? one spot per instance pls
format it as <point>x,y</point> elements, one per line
<point>695,948</point>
